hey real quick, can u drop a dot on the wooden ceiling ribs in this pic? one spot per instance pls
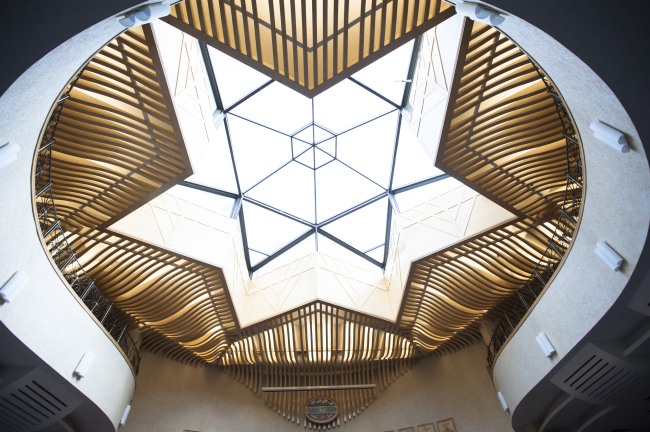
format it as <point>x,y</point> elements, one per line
<point>318,345</point>
<point>502,135</point>
<point>308,46</point>
<point>118,142</point>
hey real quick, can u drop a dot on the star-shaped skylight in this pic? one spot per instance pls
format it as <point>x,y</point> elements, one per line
<point>299,174</point>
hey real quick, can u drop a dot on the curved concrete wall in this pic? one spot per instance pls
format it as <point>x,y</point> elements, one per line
<point>616,210</point>
<point>46,316</point>
<point>206,400</point>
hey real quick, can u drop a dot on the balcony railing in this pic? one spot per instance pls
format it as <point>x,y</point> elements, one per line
<point>521,302</point>
<point>63,256</point>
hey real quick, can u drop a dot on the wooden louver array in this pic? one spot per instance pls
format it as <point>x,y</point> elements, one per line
<point>181,305</point>
<point>307,45</point>
<point>319,345</point>
<point>502,135</point>
<point>118,142</point>
<point>451,291</point>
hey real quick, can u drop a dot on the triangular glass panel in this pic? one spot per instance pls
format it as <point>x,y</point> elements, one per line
<point>377,254</point>
<point>234,79</point>
<point>339,188</point>
<point>258,151</point>
<point>321,158</point>
<point>267,231</point>
<point>298,147</point>
<point>335,250</point>
<point>328,146</point>
<point>414,197</point>
<point>387,75</point>
<point>255,257</point>
<point>362,229</point>
<point>412,163</point>
<point>278,107</point>
<point>306,135</point>
<point>307,158</point>
<point>212,164</point>
<point>347,105</point>
<point>321,134</point>
<point>290,190</point>
<point>369,148</point>
<point>300,250</point>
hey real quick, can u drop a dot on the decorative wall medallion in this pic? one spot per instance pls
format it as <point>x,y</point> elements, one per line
<point>321,410</point>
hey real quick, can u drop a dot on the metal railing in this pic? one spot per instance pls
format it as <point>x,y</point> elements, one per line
<point>558,244</point>
<point>63,256</point>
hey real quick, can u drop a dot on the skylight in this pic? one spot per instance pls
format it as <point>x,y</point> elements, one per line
<point>305,174</point>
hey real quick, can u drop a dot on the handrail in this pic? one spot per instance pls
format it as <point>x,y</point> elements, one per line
<point>63,256</point>
<point>524,299</point>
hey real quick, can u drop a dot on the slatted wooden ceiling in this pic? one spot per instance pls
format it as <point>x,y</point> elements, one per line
<point>502,134</point>
<point>307,45</point>
<point>118,142</point>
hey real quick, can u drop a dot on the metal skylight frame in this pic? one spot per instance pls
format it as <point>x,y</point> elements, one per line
<point>315,228</point>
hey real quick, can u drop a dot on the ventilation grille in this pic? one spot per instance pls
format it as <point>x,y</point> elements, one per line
<point>29,401</point>
<point>599,377</point>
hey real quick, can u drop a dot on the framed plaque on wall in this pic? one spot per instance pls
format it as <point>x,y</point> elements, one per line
<point>446,425</point>
<point>428,427</point>
<point>406,429</point>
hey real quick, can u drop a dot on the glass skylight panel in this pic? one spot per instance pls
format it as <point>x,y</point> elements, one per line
<point>278,107</point>
<point>298,147</point>
<point>234,79</point>
<point>306,135</point>
<point>291,190</point>
<point>255,257</point>
<point>321,134</point>
<point>412,163</point>
<point>377,254</point>
<point>346,105</point>
<point>258,151</point>
<point>329,146</point>
<point>386,76</point>
<point>338,188</point>
<point>369,148</point>
<point>212,165</point>
<point>267,231</point>
<point>362,229</point>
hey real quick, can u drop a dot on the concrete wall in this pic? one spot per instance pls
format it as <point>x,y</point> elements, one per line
<point>616,210</point>
<point>46,316</point>
<point>172,397</point>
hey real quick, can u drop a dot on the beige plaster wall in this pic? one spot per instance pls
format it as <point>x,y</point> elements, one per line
<point>172,397</point>
<point>46,316</point>
<point>616,210</point>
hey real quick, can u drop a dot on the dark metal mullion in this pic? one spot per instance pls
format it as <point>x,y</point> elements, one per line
<point>419,183</point>
<point>351,210</point>
<point>269,175</point>
<point>373,248</point>
<point>395,147</point>
<point>385,99</point>
<point>367,178</point>
<point>209,190</point>
<point>389,222</point>
<point>393,201</point>
<point>314,42</point>
<point>212,79</point>
<point>249,95</point>
<point>365,122</point>
<point>235,208</point>
<point>244,240</point>
<point>350,248</point>
<point>259,124</point>
<point>409,76</point>
<point>282,250</point>
<point>278,211</point>
<point>259,252</point>
<point>232,153</point>
<point>274,41</point>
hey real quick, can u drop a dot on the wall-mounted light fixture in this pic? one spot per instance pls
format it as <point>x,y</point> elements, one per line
<point>12,287</point>
<point>8,153</point>
<point>545,344</point>
<point>504,405</point>
<point>145,15</point>
<point>477,12</point>
<point>84,364</point>
<point>127,410</point>
<point>610,136</point>
<point>607,254</point>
